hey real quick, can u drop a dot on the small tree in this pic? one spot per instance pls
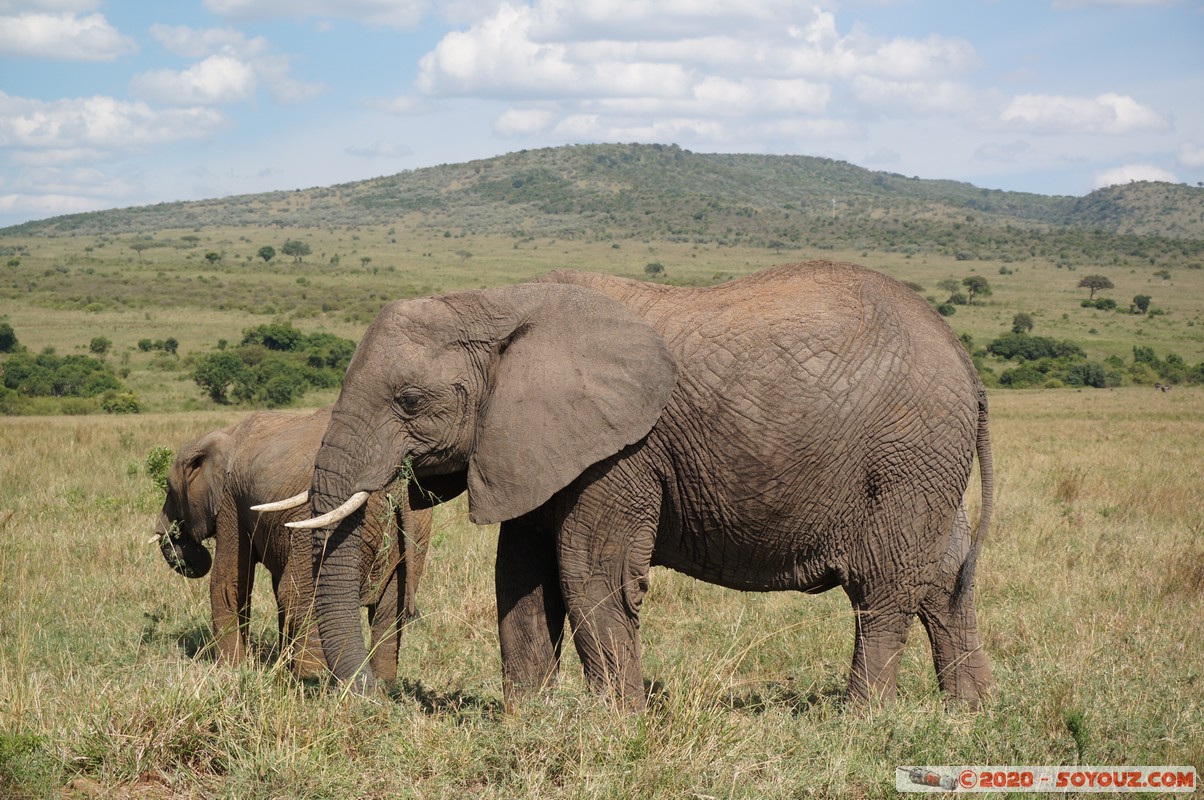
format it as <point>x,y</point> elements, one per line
<point>171,345</point>
<point>654,269</point>
<point>365,261</point>
<point>1022,323</point>
<point>1095,283</point>
<point>267,253</point>
<point>976,286</point>
<point>949,285</point>
<point>1163,275</point>
<point>1142,303</point>
<point>99,345</point>
<point>296,249</point>
<point>8,338</point>
<point>215,372</point>
<point>213,257</point>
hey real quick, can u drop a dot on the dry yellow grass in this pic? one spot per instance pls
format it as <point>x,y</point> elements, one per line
<point>1091,592</point>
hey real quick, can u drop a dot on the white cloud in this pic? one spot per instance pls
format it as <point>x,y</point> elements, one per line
<point>214,81</point>
<point>232,68</point>
<point>1108,114</point>
<point>912,97</point>
<point>1070,4</point>
<point>34,206</point>
<point>1191,154</point>
<point>1002,153</point>
<point>97,123</point>
<point>1133,172</point>
<point>198,43</point>
<point>62,35</point>
<point>69,6</point>
<point>403,105</point>
<point>624,69</point>
<point>49,158</point>
<point>387,13</point>
<point>523,121</point>
<point>379,149</point>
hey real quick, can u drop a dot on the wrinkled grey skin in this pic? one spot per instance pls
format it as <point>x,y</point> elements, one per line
<point>803,428</point>
<point>214,481</point>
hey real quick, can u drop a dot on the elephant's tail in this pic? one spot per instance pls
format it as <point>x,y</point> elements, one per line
<point>986,469</point>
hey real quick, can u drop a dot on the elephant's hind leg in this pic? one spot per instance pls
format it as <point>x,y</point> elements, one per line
<point>957,652</point>
<point>887,577</point>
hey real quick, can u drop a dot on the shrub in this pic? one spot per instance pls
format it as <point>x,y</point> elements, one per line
<point>158,463</point>
<point>215,372</point>
<point>121,403</point>
<point>1031,348</point>
<point>8,338</point>
<point>946,309</point>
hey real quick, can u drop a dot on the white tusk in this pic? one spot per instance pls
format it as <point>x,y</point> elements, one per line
<point>284,505</point>
<point>331,517</point>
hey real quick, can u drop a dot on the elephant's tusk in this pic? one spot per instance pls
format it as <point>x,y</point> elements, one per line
<point>284,505</point>
<point>331,517</point>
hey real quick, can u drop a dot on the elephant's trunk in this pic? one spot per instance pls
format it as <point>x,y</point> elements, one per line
<point>182,553</point>
<point>337,569</point>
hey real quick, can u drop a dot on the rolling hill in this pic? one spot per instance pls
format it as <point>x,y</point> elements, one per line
<point>668,193</point>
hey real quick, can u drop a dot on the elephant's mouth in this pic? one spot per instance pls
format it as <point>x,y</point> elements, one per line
<point>182,553</point>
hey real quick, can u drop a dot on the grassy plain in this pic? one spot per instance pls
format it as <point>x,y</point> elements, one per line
<point>1091,584</point>
<point>66,290</point>
<point>1091,593</point>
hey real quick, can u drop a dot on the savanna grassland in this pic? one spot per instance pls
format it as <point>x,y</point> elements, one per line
<point>1090,585</point>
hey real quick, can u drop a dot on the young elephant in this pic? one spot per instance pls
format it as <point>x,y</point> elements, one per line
<point>212,487</point>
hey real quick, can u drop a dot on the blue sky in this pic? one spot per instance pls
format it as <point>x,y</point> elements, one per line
<point>113,104</point>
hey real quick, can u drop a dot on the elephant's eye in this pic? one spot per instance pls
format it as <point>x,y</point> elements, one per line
<point>410,400</point>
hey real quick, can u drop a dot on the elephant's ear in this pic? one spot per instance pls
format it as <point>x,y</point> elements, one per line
<point>205,478</point>
<point>578,379</point>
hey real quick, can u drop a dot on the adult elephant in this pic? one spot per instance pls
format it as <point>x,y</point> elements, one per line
<point>806,427</point>
<point>214,489</point>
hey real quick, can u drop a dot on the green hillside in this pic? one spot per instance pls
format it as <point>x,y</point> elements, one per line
<point>670,194</point>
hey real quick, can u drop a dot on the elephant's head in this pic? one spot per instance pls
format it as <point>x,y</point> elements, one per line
<point>515,390</point>
<point>195,485</point>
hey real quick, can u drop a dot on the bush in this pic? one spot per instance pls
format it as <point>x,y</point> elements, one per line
<point>1031,348</point>
<point>946,309</point>
<point>121,403</point>
<point>158,463</point>
<point>49,375</point>
<point>274,365</point>
<point>215,372</point>
<point>1102,303</point>
<point>8,338</point>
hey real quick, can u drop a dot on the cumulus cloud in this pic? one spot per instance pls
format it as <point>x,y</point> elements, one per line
<point>1108,114</point>
<point>379,149</point>
<point>693,69</point>
<point>84,125</point>
<point>387,13</point>
<point>1002,153</point>
<point>1133,172</point>
<point>231,69</point>
<point>216,80</point>
<point>402,105</point>
<point>523,121</point>
<point>1191,154</point>
<point>189,42</point>
<point>62,35</point>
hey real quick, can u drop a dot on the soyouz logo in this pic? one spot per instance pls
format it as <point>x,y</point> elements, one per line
<point>1045,779</point>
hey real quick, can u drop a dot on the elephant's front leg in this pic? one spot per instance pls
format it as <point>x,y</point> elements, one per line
<point>230,588</point>
<point>605,551</point>
<point>530,608</point>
